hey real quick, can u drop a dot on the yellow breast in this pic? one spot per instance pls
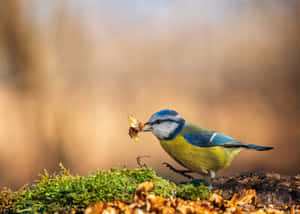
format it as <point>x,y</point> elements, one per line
<point>199,159</point>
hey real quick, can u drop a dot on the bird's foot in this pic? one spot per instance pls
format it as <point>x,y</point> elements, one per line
<point>197,182</point>
<point>181,172</point>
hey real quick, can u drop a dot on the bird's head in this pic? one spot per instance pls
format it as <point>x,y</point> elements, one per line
<point>165,124</point>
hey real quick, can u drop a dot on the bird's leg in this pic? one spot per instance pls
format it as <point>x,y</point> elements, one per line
<point>181,172</point>
<point>212,175</point>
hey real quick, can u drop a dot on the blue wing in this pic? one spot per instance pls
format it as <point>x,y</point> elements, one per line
<point>218,139</point>
<point>201,137</point>
<point>214,139</point>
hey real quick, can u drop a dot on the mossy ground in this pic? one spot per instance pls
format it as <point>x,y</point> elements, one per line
<point>64,191</point>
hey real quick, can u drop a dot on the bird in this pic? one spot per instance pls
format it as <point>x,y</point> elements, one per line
<point>197,149</point>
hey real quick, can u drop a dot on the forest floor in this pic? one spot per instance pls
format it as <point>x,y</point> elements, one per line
<point>140,191</point>
<point>271,188</point>
<point>251,192</point>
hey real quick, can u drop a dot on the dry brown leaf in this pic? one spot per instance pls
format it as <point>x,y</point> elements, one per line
<point>135,127</point>
<point>149,203</point>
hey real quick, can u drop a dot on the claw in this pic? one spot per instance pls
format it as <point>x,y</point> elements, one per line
<point>196,182</point>
<point>166,164</point>
<point>181,172</point>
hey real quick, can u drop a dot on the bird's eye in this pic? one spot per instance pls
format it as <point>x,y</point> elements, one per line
<point>158,121</point>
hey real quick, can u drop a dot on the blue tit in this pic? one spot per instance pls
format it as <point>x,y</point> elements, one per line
<point>198,149</point>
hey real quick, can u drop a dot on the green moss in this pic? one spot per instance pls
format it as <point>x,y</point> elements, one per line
<point>65,191</point>
<point>191,192</point>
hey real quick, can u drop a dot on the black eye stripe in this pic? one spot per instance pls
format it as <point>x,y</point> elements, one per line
<point>165,120</point>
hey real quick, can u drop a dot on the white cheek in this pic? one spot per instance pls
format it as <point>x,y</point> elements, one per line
<point>164,130</point>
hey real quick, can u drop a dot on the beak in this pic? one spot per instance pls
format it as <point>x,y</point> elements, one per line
<point>148,129</point>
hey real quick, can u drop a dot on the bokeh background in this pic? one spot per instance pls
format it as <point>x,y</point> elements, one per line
<point>72,71</point>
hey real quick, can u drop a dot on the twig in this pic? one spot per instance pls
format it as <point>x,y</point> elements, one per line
<point>139,162</point>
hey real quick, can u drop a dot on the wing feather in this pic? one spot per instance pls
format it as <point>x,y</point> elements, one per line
<point>205,138</point>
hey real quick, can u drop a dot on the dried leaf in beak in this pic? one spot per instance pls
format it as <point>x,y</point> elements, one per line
<point>135,127</point>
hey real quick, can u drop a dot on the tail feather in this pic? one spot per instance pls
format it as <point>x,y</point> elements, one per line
<point>258,147</point>
<point>247,146</point>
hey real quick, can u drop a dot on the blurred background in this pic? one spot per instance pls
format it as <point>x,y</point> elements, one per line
<point>72,71</point>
